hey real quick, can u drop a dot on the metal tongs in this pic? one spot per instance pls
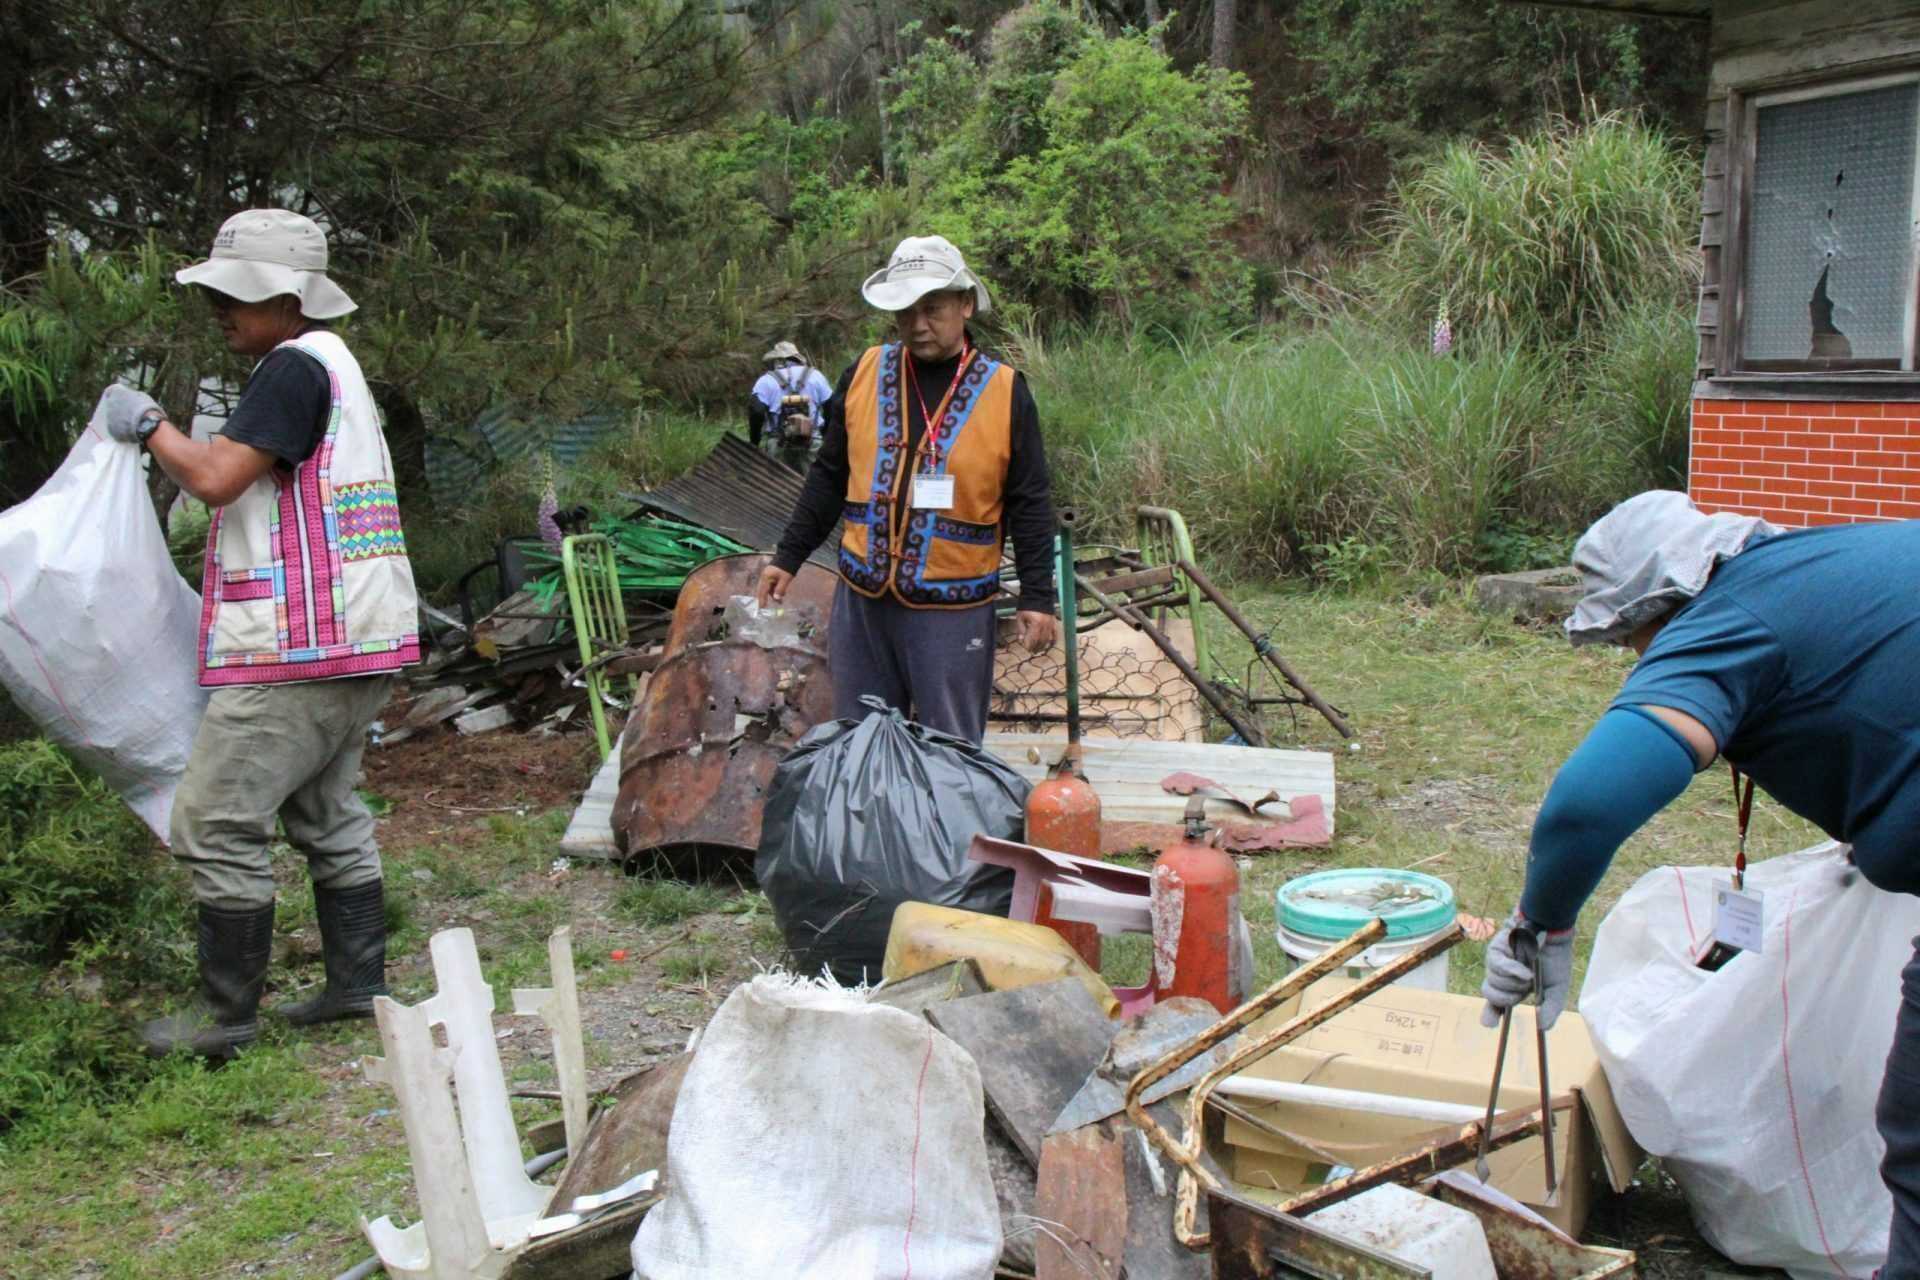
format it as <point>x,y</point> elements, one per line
<point>1526,949</point>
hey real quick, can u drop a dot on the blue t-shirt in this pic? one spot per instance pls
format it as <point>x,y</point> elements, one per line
<point>1802,659</point>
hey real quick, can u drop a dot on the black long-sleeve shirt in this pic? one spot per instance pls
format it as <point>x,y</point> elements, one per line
<point>1026,495</point>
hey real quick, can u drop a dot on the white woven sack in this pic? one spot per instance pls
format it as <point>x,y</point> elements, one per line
<point>819,1137</point>
<point>97,629</point>
<point>1757,1084</point>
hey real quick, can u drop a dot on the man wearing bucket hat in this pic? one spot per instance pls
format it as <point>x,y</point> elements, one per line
<point>1794,655</point>
<point>933,456</point>
<point>789,379</point>
<point>309,609</point>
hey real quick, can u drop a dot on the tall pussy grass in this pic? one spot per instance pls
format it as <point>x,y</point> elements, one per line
<point>1537,240</point>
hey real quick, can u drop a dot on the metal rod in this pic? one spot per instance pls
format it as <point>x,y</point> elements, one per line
<point>1138,621</point>
<point>1436,1157</point>
<point>1070,610</point>
<point>1493,1094</point>
<point>1263,646</point>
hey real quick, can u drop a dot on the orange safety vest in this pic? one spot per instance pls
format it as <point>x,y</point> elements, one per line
<point>926,559</point>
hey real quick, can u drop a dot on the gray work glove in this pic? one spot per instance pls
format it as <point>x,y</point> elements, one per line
<point>1518,953</point>
<point>125,408</point>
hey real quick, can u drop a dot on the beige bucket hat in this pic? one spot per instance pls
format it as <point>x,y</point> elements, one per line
<point>781,351</point>
<point>263,253</point>
<point>921,265</point>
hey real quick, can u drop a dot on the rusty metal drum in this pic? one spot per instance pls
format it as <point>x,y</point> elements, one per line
<point>720,711</point>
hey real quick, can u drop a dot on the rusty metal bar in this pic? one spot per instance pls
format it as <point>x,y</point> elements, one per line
<point>1120,582</point>
<point>1187,1207</point>
<point>1253,1051</point>
<point>1134,618</point>
<point>1435,1157</point>
<point>1252,1242</point>
<point>1263,646</point>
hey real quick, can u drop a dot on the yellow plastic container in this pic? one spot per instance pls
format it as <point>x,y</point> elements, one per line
<point>1010,953</point>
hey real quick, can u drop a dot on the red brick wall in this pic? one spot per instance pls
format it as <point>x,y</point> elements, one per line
<point>1799,463</point>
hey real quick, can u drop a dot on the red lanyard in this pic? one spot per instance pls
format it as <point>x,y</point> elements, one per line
<point>1743,804</point>
<point>930,442</point>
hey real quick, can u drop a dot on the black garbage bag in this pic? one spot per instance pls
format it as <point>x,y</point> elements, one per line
<point>864,815</point>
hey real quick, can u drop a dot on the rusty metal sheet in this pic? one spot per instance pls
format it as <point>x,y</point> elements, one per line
<point>1525,1247</point>
<point>719,713</point>
<point>739,491</point>
<point>1253,1242</point>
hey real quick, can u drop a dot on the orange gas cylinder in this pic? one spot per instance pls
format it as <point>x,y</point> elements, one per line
<point>1063,814</point>
<point>1196,901</point>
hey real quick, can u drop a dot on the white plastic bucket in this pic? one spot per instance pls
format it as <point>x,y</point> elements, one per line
<point>1317,911</point>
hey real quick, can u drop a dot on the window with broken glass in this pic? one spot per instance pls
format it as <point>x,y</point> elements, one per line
<point>1828,278</point>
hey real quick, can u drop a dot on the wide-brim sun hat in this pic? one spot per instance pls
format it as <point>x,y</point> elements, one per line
<point>921,265</point>
<point>264,253</point>
<point>1647,557</point>
<point>781,351</point>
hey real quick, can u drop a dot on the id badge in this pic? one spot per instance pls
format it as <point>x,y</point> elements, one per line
<point>934,492</point>
<point>1738,918</point>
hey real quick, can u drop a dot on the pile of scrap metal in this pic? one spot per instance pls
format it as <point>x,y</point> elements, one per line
<point>510,650</point>
<point>1109,1142</point>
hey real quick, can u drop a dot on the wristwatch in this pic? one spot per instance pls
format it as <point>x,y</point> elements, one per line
<point>149,423</point>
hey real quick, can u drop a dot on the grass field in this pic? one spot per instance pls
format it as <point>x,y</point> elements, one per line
<point>263,1168</point>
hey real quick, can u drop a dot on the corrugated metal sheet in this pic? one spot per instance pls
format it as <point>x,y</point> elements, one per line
<point>457,463</point>
<point>738,491</point>
<point>1126,772</point>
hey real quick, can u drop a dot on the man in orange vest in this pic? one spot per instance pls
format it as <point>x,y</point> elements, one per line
<point>933,456</point>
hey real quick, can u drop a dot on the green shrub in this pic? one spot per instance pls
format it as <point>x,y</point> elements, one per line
<point>58,1050</point>
<point>77,869</point>
<point>1636,380</point>
<point>1536,241</point>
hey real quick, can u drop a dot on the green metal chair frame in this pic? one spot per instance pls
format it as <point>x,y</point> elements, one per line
<point>1164,541</point>
<point>599,619</point>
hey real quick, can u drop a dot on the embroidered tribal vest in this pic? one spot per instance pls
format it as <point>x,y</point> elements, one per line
<point>926,559</point>
<point>307,575</point>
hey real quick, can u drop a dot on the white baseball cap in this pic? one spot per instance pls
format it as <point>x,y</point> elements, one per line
<point>264,253</point>
<point>921,265</point>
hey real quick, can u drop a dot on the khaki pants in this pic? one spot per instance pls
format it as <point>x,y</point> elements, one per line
<point>278,751</point>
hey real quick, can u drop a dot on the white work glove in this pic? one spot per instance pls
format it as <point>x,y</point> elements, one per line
<point>125,408</point>
<point>1519,953</point>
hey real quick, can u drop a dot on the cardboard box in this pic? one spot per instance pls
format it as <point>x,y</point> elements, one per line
<point>1430,1044</point>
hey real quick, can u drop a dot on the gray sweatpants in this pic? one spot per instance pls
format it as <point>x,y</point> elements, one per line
<point>934,665</point>
<point>278,751</point>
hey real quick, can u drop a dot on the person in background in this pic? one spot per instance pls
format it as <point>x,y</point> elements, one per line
<point>790,388</point>
<point>309,610</point>
<point>933,455</point>
<point>1797,657</point>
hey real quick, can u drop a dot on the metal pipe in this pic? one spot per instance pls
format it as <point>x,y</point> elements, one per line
<point>1263,646</point>
<point>1138,621</point>
<point>1070,611</point>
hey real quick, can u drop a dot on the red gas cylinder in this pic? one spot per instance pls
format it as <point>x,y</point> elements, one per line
<point>1063,814</point>
<point>1196,900</point>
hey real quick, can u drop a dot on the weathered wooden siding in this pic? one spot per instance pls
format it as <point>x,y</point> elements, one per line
<point>1771,44</point>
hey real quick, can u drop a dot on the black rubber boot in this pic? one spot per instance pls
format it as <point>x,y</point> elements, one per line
<point>235,947</point>
<point>353,945</point>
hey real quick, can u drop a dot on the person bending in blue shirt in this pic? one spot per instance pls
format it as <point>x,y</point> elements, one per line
<point>1796,656</point>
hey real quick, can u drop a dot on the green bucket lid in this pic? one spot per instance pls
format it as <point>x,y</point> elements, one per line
<point>1332,904</point>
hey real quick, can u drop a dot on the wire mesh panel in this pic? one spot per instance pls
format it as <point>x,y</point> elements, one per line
<point>1128,689</point>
